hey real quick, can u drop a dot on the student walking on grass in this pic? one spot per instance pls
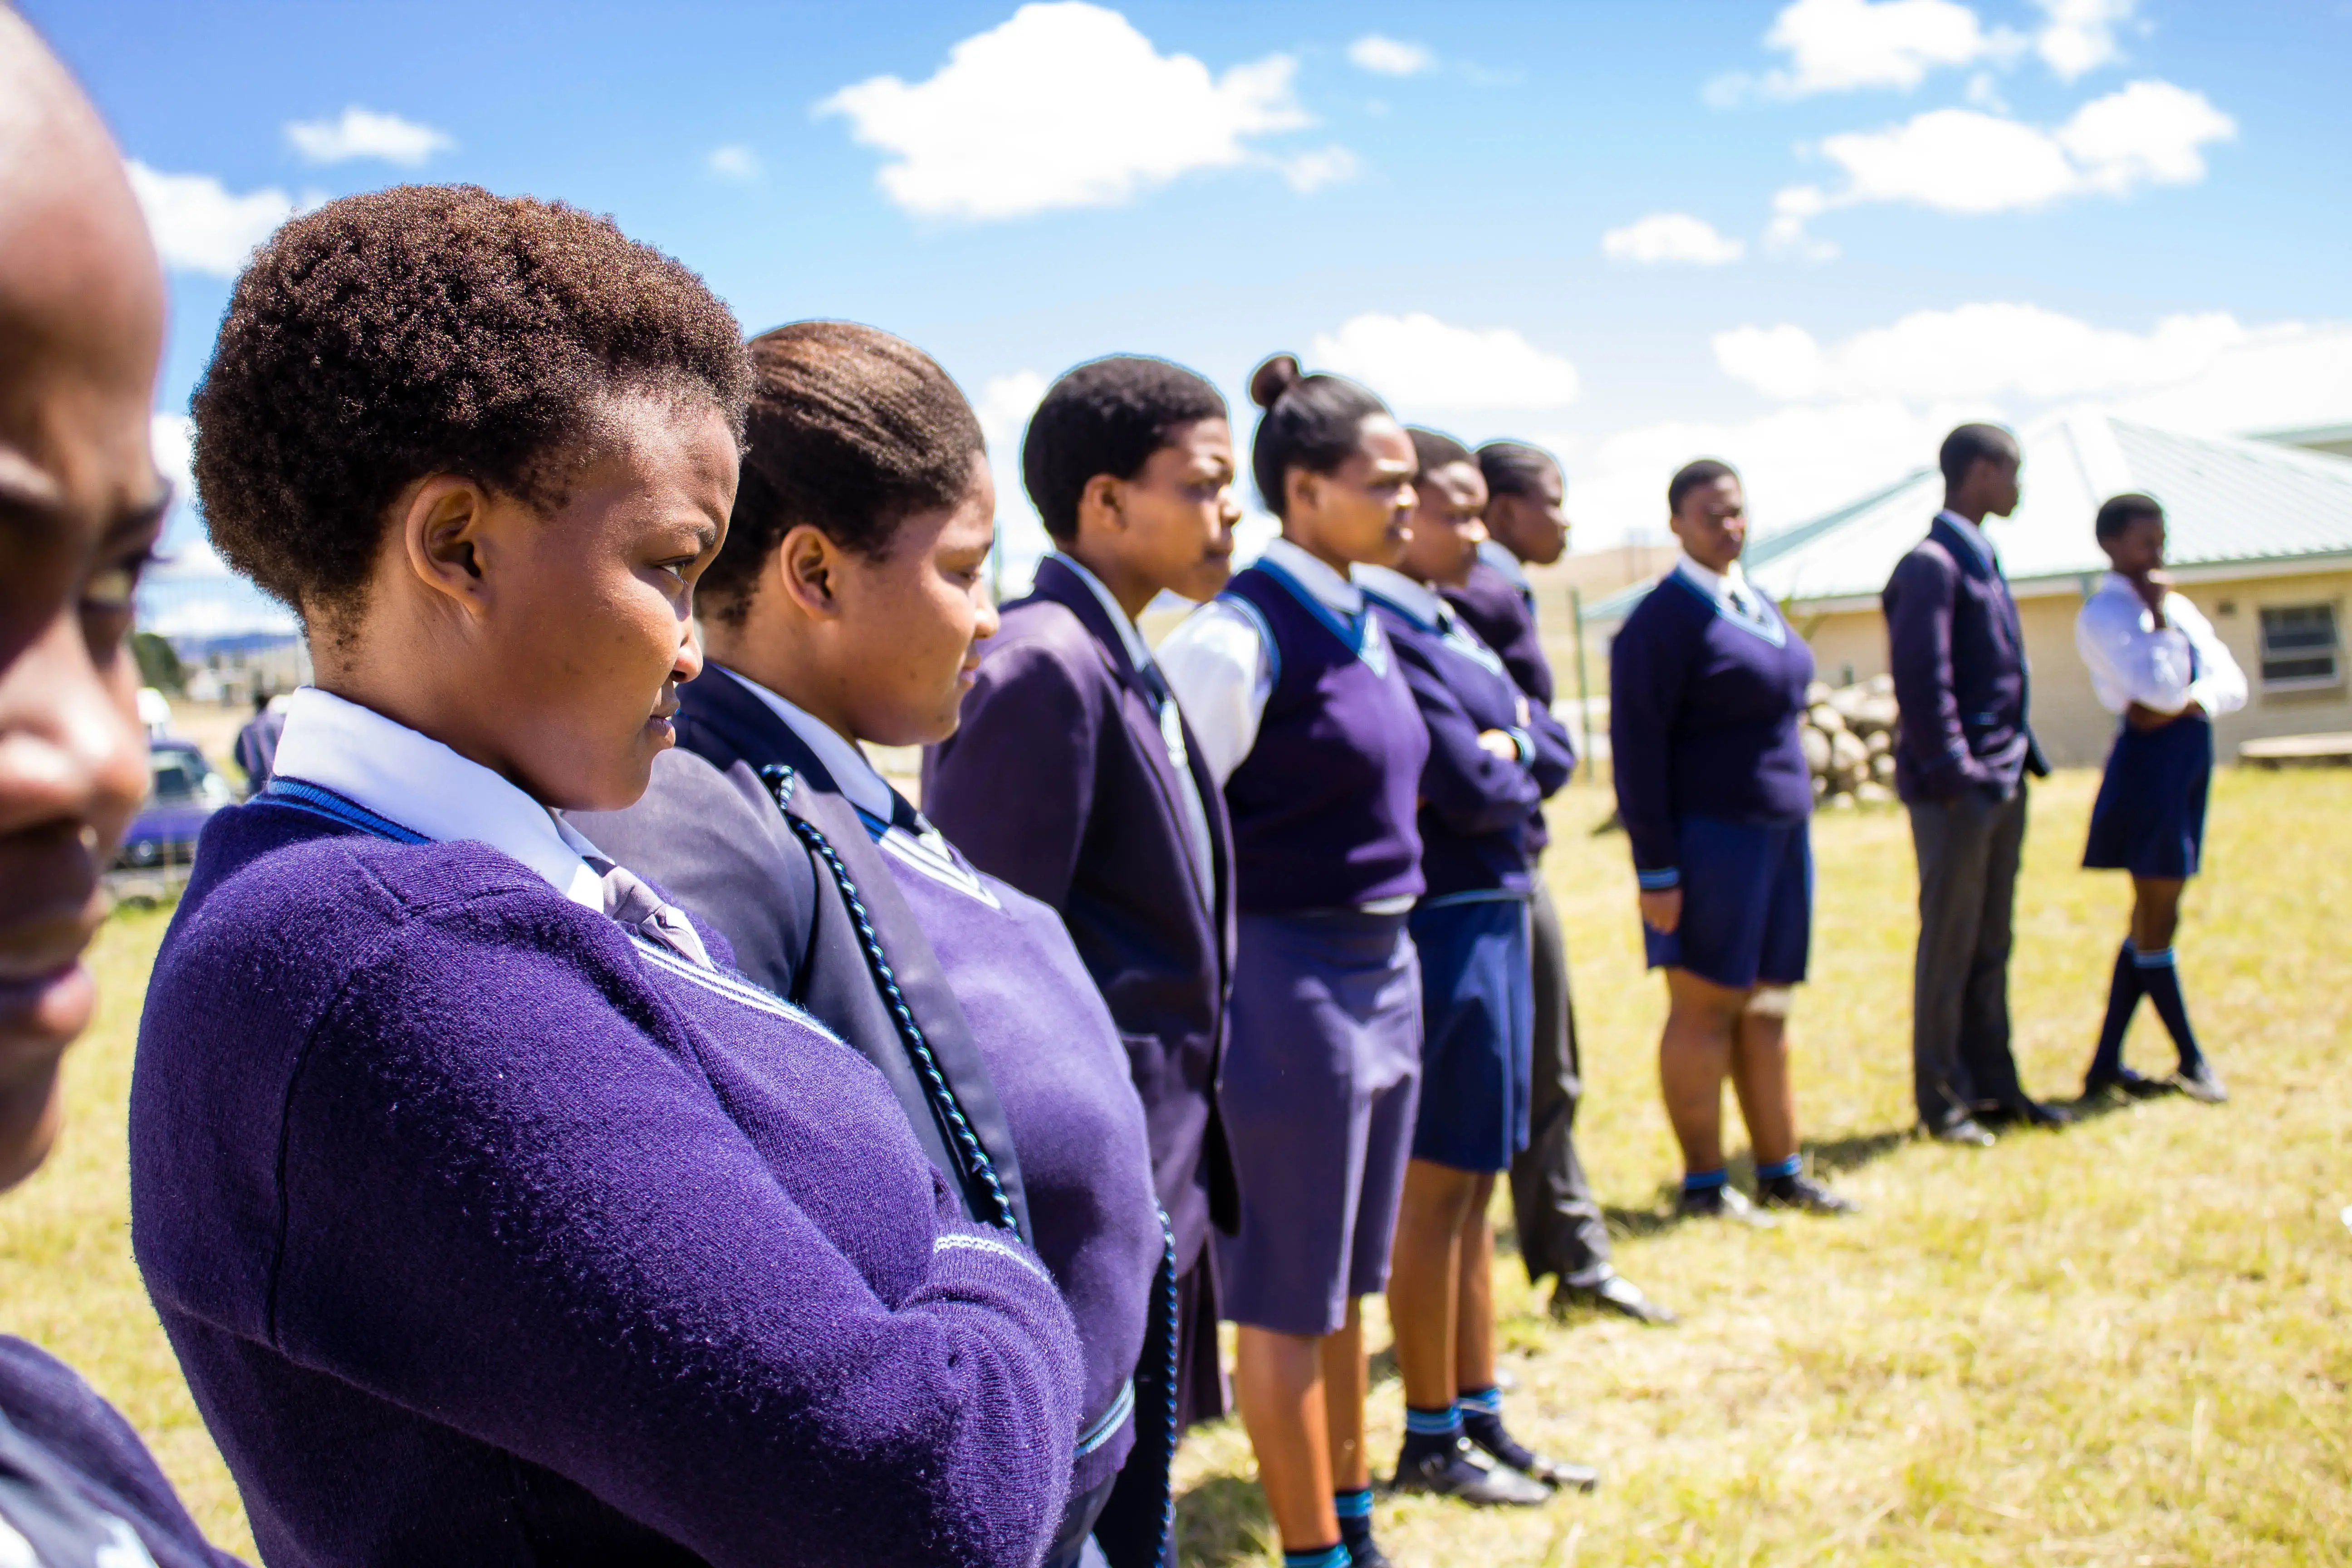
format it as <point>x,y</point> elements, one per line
<point>1490,763</point>
<point>81,325</point>
<point>1963,749</point>
<point>1561,1231</point>
<point>847,607</point>
<point>1305,720</point>
<point>1707,688</point>
<point>2155,664</point>
<point>1072,775</point>
<point>493,1216</point>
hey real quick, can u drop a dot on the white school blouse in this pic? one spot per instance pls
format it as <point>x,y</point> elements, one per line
<point>2131,661</point>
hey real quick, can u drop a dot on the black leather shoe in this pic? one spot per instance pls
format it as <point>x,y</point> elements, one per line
<point>1962,1129</point>
<point>1805,1195</point>
<point>1464,1473</point>
<point>1495,1440</point>
<point>2202,1083</point>
<point>1614,1294</point>
<point>1368,1556</point>
<point>1722,1202</point>
<point>2129,1084</point>
<point>2027,1113</point>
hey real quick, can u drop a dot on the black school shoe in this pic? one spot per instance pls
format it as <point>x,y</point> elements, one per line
<point>1497,1444</point>
<point>1462,1472</point>
<point>1804,1194</point>
<point>1614,1294</point>
<point>2129,1084</point>
<point>2025,1113</point>
<point>1722,1202</point>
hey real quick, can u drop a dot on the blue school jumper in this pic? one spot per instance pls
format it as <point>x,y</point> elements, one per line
<point>488,1231</point>
<point>1471,924</point>
<point>1712,787</point>
<point>1320,1084</point>
<point>1056,1072</point>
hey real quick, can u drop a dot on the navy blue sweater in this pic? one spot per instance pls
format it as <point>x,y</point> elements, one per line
<point>487,1233</point>
<point>1703,718</point>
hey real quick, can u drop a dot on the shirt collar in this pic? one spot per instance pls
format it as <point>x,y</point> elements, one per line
<point>416,781</point>
<point>1968,531</point>
<point>1332,591</point>
<point>1415,599</point>
<point>1138,652</point>
<point>856,778</point>
<point>1498,554</point>
<point>1716,583</point>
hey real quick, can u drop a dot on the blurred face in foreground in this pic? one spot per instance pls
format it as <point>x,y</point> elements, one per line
<point>81,319</point>
<point>1712,522</point>
<point>1447,526</point>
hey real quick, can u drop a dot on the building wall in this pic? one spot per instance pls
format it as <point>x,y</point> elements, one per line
<point>2073,729</point>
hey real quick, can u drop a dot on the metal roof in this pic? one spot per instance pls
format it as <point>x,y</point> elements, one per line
<point>2226,503</point>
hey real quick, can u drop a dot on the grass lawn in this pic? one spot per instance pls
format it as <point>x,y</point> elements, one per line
<point>2128,1343</point>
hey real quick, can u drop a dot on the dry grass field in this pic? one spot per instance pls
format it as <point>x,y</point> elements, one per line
<point>2128,1343</point>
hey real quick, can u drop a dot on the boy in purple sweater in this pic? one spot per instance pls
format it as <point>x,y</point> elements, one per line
<point>1706,683</point>
<point>81,322</point>
<point>493,1216</point>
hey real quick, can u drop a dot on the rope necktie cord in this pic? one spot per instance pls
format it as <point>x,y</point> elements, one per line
<point>988,1202</point>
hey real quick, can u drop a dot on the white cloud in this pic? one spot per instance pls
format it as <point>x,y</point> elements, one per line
<point>1671,236</point>
<point>1064,105</point>
<point>734,162</point>
<point>1004,406</point>
<point>1390,56</point>
<point>199,226</point>
<point>1836,46</point>
<point>366,133</point>
<point>172,438</point>
<point>1976,350</point>
<point>2288,376</point>
<point>1962,161</point>
<point>2081,34</point>
<point>1310,172</point>
<point>1419,362</point>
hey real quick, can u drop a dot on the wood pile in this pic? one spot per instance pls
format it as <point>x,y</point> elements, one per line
<point>1849,740</point>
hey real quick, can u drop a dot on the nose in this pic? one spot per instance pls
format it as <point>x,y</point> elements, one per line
<point>72,754</point>
<point>1477,530</point>
<point>689,662</point>
<point>985,622</point>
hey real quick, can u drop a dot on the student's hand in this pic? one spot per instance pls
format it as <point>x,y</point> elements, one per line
<point>2151,588</point>
<point>1526,713</point>
<point>1662,911</point>
<point>1500,743</point>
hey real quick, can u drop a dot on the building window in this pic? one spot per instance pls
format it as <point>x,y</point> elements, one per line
<point>2300,648</point>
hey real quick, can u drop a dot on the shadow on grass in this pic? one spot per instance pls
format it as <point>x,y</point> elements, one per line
<point>1222,1522</point>
<point>1829,1157</point>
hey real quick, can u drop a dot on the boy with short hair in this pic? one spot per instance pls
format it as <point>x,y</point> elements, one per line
<point>1073,776</point>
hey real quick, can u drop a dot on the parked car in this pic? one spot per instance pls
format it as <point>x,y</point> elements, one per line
<point>183,791</point>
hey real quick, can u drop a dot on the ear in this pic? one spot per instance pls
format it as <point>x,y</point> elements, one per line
<point>444,525</point>
<point>1102,506</point>
<point>806,570</point>
<point>1302,491</point>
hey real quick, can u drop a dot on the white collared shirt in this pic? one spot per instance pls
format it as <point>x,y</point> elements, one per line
<point>1729,586</point>
<point>1418,600</point>
<point>2131,661</point>
<point>1218,663</point>
<point>1498,554</point>
<point>852,772</point>
<point>1172,728</point>
<point>1976,536</point>
<point>416,781</point>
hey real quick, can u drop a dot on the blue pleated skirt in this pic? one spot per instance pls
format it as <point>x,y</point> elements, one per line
<point>2149,819</point>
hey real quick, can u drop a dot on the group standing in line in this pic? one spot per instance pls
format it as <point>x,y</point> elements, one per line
<point>583,1112</point>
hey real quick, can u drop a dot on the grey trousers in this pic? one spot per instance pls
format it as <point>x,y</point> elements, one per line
<point>1969,851</point>
<point>1561,1229</point>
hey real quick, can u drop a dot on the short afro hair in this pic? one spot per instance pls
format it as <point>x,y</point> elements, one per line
<point>851,430</point>
<point>1969,445</point>
<point>1106,417</point>
<point>2119,512</point>
<point>1690,476</point>
<point>1435,448</point>
<point>1517,467</point>
<point>423,330</point>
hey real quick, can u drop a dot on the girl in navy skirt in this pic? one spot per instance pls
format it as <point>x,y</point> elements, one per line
<point>849,606</point>
<point>1487,769</point>
<point>2155,663</point>
<point>1706,686</point>
<point>492,1215</point>
<point>1304,716</point>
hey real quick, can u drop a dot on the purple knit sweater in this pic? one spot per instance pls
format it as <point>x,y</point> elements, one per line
<point>487,1233</point>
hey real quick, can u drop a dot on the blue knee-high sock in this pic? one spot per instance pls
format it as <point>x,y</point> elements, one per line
<point>2122,1000</point>
<point>1355,1511</point>
<point>2161,979</point>
<point>1429,1431</point>
<point>1333,1556</point>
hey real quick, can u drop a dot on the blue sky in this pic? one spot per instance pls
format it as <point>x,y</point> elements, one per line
<point>1805,236</point>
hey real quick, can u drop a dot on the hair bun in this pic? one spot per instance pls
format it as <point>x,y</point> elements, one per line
<point>1269,380</point>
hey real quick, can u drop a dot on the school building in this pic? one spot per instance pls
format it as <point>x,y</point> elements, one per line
<point>2260,538</point>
